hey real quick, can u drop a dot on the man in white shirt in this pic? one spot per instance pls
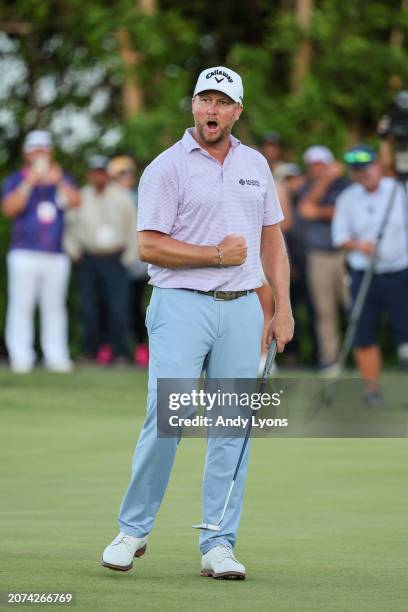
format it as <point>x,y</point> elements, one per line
<point>359,216</point>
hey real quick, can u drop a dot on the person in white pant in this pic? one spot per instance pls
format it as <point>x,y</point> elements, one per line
<point>35,198</point>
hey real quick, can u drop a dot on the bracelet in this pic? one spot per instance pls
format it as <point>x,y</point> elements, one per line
<point>220,262</point>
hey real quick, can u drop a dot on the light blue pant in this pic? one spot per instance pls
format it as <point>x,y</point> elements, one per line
<point>185,328</point>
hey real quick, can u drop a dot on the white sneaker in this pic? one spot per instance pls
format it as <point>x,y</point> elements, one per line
<point>63,367</point>
<point>120,553</point>
<point>220,562</point>
<point>332,371</point>
<point>21,369</point>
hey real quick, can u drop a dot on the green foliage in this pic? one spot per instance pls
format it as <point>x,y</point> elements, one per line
<point>348,84</point>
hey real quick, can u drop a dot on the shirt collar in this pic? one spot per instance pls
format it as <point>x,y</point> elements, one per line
<point>190,144</point>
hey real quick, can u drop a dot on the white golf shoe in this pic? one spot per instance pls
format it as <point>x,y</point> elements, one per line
<point>119,554</point>
<point>220,562</point>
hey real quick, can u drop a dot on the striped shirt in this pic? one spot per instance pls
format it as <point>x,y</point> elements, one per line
<point>189,195</point>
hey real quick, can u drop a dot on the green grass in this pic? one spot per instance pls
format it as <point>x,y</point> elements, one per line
<point>324,525</point>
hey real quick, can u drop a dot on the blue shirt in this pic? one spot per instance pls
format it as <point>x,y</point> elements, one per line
<point>39,227</point>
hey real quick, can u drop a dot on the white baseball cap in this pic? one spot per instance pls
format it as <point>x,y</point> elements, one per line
<point>37,139</point>
<point>221,79</point>
<point>318,153</point>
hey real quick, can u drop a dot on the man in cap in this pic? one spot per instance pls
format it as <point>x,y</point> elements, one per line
<point>272,151</point>
<point>101,238</point>
<point>36,198</point>
<point>359,215</point>
<point>271,148</point>
<point>207,208</point>
<point>324,262</point>
<point>123,170</point>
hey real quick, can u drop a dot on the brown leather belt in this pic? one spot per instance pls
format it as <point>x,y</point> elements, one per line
<point>223,295</point>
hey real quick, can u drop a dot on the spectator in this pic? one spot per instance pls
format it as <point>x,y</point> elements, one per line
<point>101,239</point>
<point>122,169</point>
<point>271,149</point>
<point>324,262</point>
<point>359,215</point>
<point>35,198</point>
<point>294,181</point>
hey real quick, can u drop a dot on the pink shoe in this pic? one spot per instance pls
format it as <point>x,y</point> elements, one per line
<point>104,356</point>
<point>141,356</point>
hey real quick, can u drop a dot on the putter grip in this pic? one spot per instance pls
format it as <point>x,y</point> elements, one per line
<point>270,358</point>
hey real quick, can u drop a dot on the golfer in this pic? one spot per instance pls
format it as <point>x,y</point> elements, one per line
<point>207,209</point>
<point>359,215</point>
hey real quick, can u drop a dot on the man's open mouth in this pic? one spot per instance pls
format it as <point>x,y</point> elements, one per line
<point>212,125</point>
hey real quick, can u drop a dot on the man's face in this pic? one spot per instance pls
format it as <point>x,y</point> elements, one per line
<point>272,151</point>
<point>316,169</point>
<point>293,183</point>
<point>41,153</point>
<point>99,178</point>
<point>369,177</point>
<point>214,115</point>
<point>126,178</point>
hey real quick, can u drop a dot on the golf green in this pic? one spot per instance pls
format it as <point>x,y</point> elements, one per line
<point>324,526</point>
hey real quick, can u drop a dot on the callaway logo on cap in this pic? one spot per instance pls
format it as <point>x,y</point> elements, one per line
<point>221,79</point>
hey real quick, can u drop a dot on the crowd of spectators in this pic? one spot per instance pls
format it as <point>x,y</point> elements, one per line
<point>57,226</point>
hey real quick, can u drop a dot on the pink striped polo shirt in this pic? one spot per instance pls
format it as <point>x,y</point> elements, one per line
<point>192,197</point>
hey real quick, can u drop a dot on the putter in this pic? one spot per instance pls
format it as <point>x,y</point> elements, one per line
<point>270,358</point>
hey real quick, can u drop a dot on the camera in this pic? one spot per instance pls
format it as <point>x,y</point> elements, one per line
<point>395,125</point>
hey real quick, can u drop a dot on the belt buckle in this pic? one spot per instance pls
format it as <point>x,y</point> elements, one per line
<point>217,299</point>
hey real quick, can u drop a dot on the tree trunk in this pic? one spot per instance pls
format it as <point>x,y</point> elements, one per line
<point>132,93</point>
<point>303,55</point>
<point>397,35</point>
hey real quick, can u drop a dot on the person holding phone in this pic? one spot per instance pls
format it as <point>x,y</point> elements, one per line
<point>35,198</point>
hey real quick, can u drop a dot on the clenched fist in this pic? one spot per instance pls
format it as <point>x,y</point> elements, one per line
<point>233,250</point>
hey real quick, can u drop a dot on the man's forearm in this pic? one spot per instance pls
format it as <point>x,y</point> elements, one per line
<point>276,267</point>
<point>349,245</point>
<point>16,201</point>
<point>275,263</point>
<point>319,189</point>
<point>162,250</point>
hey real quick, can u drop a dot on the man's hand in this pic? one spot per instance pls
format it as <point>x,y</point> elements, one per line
<point>367,247</point>
<point>54,176</point>
<point>309,210</point>
<point>281,329</point>
<point>32,177</point>
<point>334,171</point>
<point>233,250</point>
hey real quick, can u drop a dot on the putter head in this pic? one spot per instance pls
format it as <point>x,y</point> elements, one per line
<point>207,526</point>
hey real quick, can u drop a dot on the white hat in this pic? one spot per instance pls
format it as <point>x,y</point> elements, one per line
<point>318,153</point>
<point>221,79</point>
<point>37,139</point>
